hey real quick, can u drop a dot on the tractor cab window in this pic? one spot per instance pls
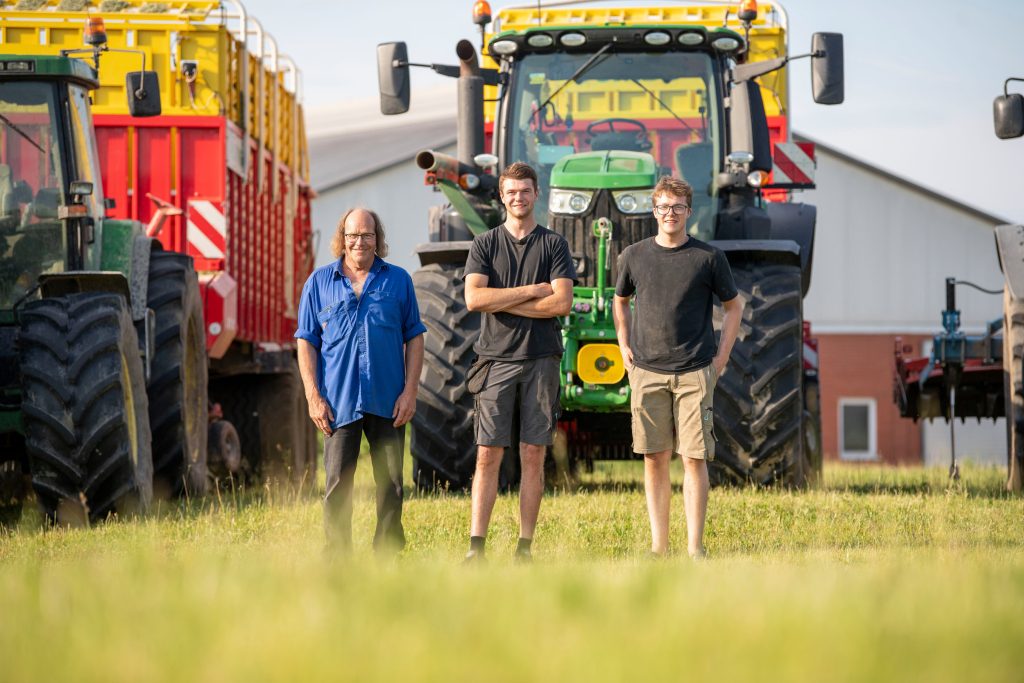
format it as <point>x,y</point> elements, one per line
<point>662,104</point>
<point>32,240</point>
<point>86,158</point>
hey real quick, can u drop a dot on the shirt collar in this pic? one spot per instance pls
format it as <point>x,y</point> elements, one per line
<point>378,265</point>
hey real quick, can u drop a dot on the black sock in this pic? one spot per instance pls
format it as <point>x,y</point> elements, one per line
<point>476,543</point>
<point>524,545</point>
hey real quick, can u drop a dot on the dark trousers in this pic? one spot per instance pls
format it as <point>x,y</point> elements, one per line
<point>341,451</point>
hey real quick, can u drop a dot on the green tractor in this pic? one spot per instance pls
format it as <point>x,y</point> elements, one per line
<point>102,352</point>
<point>602,106</point>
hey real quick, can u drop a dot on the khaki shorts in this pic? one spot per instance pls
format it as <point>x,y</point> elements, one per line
<point>674,412</point>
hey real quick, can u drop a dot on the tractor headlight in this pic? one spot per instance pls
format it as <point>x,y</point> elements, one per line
<point>633,201</point>
<point>572,202</point>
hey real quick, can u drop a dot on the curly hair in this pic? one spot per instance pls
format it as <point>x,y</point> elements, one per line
<point>338,241</point>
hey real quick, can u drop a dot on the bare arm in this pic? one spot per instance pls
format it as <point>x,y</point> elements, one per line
<point>405,406</point>
<point>319,411</point>
<point>559,302</point>
<point>730,328</point>
<point>623,318</point>
<point>480,297</point>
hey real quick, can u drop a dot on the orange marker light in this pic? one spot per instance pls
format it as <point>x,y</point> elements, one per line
<point>481,12</point>
<point>95,32</point>
<point>748,10</point>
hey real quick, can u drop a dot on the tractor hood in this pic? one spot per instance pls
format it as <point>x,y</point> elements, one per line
<point>612,170</point>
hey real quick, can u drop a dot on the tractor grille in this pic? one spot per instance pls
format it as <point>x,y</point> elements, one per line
<point>578,231</point>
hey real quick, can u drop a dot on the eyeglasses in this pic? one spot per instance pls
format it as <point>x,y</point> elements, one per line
<point>677,209</point>
<point>354,237</point>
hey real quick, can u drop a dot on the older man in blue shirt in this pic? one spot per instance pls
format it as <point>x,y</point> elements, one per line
<point>360,341</point>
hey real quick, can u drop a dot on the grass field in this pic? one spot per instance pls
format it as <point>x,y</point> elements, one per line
<point>880,575</point>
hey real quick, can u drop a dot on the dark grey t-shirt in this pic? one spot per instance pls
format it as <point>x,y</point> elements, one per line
<point>541,256</point>
<point>672,316</point>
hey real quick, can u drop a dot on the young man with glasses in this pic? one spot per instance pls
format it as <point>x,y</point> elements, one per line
<point>360,342</point>
<point>668,346</point>
<point>520,275</point>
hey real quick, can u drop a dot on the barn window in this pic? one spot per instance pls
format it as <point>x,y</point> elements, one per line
<point>858,429</point>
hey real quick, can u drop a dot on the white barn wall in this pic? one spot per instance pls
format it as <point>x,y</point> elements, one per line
<point>397,194</point>
<point>883,251</point>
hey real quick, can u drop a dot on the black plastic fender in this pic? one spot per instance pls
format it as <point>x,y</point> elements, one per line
<point>796,222</point>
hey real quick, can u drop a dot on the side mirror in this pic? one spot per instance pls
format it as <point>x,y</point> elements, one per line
<point>393,78</point>
<point>827,67</point>
<point>143,93</point>
<point>1008,115</point>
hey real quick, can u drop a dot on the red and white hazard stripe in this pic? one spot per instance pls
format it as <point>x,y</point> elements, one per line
<point>207,229</point>
<point>793,163</point>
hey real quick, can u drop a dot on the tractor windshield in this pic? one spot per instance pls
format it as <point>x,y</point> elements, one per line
<point>32,240</point>
<point>663,104</point>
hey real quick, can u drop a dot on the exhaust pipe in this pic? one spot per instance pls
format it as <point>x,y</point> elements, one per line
<point>470,136</point>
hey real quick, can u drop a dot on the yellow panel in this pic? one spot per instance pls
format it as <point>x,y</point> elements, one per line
<point>600,364</point>
<point>187,31</point>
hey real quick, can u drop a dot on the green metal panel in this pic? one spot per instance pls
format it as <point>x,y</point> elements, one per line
<point>453,193</point>
<point>10,421</point>
<point>613,169</point>
<point>116,246</point>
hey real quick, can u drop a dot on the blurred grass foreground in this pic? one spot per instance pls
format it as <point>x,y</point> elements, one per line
<point>878,575</point>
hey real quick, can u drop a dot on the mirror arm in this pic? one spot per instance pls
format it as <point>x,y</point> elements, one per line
<point>1006,85</point>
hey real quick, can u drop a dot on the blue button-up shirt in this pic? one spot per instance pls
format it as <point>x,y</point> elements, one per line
<point>361,366</point>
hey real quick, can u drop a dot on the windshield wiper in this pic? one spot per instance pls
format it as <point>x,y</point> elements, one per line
<point>22,133</point>
<point>667,108</point>
<point>576,74</point>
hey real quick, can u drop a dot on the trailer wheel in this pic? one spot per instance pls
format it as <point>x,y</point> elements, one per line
<point>443,444</point>
<point>277,439</point>
<point>813,460</point>
<point>1013,387</point>
<point>759,407</point>
<point>178,377</point>
<point>85,409</point>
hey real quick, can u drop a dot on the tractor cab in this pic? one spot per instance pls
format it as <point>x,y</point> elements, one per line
<point>50,190</point>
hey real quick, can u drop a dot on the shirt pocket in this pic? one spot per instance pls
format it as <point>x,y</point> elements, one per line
<point>334,322</point>
<point>383,309</point>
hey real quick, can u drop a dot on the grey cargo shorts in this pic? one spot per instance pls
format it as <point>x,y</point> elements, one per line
<point>534,384</point>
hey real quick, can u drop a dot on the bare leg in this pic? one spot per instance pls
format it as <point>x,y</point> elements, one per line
<point>695,502</point>
<point>531,487</point>
<point>658,488</point>
<point>485,487</point>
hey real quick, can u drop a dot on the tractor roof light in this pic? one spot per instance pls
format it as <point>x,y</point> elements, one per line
<point>540,40</point>
<point>504,47</point>
<point>748,11</point>
<point>481,13</point>
<point>657,38</point>
<point>725,43</point>
<point>95,32</point>
<point>691,38</point>
<point>573,39</point>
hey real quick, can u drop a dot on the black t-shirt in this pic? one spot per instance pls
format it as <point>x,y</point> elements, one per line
<point>672,316</point>
<point>541,256</point>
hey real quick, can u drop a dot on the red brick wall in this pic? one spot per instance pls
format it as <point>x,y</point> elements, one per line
<point>861,365</point>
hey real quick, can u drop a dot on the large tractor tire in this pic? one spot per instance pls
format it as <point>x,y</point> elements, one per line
<point>1013,387</point>
<point>178,377</point>
<point>443,444</point>
<point>759,407</point>
<point>86,413</point>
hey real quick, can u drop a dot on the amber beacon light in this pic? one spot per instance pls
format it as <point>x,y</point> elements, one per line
<point>95,32</point>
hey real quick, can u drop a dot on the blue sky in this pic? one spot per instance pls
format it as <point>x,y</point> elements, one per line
<point>920,77</point>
